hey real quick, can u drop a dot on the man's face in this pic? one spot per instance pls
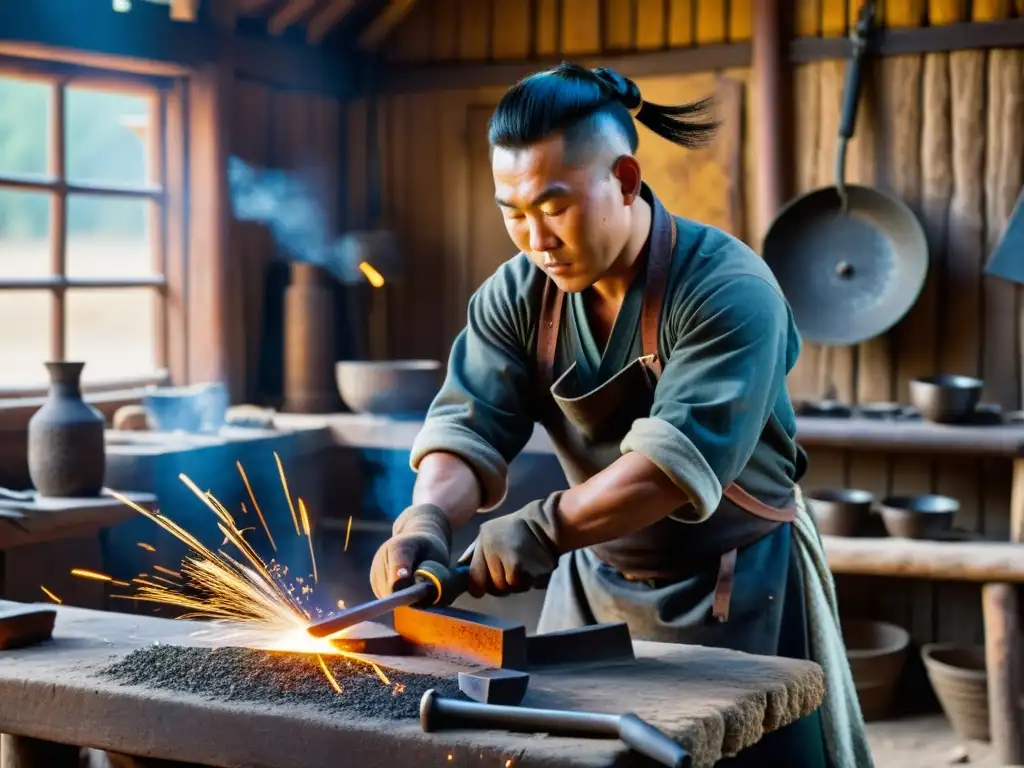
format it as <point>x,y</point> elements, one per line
<point>571,220</point>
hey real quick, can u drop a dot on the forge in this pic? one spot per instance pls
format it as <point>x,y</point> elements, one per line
<point>155,689</point>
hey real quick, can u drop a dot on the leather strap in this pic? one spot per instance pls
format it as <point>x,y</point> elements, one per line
<point>723,586</point>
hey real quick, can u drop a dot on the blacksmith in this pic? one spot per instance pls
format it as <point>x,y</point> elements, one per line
<point>654,350</point>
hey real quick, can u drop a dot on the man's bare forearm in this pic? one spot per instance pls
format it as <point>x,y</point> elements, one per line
<point>446,481</point>
<point>628,496</point>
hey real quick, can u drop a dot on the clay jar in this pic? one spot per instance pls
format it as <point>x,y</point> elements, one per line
<point>65,439</point>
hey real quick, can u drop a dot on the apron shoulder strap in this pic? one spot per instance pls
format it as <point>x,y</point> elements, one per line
<point>663,244</point>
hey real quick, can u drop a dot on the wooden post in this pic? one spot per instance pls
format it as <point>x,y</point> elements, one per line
<point>1003,650</point>
<point>771,92</point>
<point>23,752</point>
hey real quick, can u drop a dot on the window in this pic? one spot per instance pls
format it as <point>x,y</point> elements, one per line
<point>82,229</point>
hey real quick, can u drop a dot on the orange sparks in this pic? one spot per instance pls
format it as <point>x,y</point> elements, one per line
<point>145,546</point>
<point>287,493</point>
<point>399,688</point>
<point>380,673</point>
<point>117,583</point>
<point>87,574</point>
<point>252,498</point>
<point>328,675</point>
<point>305,528</point>
<point>168,571</point>
<point>348,532</point>
<point>373,277</point>
<point>50,595</point>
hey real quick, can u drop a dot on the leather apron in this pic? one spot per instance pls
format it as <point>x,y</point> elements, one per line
<point>586,429</point>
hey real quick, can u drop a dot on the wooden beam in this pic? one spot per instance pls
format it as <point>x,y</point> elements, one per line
<point>184,10</point>
<point>252,7</point>
<point>290,13</point>
<point>924,437</point>
<point>706,58</point>
<point>974,561</point>
<point>468,75</point>
<point>326,19</point>
<point>385,22</point>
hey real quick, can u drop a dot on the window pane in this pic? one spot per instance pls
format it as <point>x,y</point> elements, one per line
<point>25,341</point>
<point>24,126</point>
<point>24,233</point>
<point>104,136</point>
<point>108,237</point>
<point>113,331</point>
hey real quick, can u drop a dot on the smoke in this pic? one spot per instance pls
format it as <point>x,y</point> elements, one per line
<point>288,206</point>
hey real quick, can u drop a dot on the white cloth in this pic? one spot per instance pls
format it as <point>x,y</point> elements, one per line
<point>846,741</point>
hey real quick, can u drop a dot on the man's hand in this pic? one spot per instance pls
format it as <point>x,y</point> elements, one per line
<point>517,552</point>
<point>422,532</point>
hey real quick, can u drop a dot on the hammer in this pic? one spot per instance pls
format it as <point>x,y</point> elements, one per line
<point>436,586</point>
<point>437,714</point>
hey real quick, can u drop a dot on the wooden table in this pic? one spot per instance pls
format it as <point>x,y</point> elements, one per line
<point>714,701</point>
<point>70,530</point>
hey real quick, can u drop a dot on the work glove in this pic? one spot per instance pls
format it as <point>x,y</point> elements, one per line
<point>422,532</point>
<point>516,552</point>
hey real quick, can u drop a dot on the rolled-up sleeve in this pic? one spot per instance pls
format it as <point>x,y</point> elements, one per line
<point>483,413</point>
<point>726,368</point>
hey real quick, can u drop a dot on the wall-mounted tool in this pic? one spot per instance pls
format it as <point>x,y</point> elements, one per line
<point>437,714</point>
<point>850,259</point>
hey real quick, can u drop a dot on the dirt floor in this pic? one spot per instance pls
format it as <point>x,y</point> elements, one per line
<point>925,742</point>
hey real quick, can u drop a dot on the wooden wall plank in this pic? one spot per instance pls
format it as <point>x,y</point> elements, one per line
<point>251,244</point>
<point>741,20</point>
<point>546,27</point>
<point>581,27</point>
<point>511,29</point>
<point>806,106</point>
<point>680,23</point>
<point>942,12</point>
<point>411,39</point>
<point>1003,182</point>
<point>808,18</point>
<point>991,10</point>
<point>905,13</point>
<point>712,22</point>
<point>474,30</point>
<point>618,25</point>
<point>833,17</point>
<point>444,33</point>
<point>651,33</point>
<point>836,373</point>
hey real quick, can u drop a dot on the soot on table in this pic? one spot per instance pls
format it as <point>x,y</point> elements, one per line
<point>242,674</point>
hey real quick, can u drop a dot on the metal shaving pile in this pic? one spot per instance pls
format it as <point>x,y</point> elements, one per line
<point>240,674</point>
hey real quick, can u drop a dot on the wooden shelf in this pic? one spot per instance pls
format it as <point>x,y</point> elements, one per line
<point>977,561</point>
<point>910,436</point>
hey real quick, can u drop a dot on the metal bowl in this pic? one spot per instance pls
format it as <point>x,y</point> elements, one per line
<point>840,511</point>
<point>918,517</point>
<point>946,398</point>
<point>402,388</point>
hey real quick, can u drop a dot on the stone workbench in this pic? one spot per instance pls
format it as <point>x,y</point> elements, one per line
<point>714,701</point>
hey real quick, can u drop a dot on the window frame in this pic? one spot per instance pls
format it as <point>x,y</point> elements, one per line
<point>165,191</point>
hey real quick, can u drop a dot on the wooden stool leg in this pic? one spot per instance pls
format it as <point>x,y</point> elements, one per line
<point>23,752</point>
<point>1002,659</point>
